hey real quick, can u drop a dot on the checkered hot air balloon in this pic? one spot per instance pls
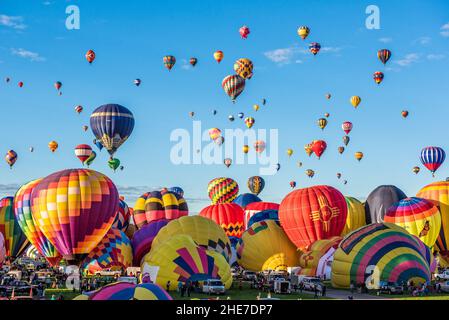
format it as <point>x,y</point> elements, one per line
<point>222,190</point>
<point>169,62</point>
<point>121,221</point>
<point>233,85</point>
<point>15,240</point>
<point>244,68</point>
<point>83,152</point>
<point>432,158</point>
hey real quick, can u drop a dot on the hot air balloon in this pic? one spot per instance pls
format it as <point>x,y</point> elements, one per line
<point>98,144</point>
<point>244,68</point>
<point>159,205</point>
<point>11,158</point>
<point>142,239</point>
<point>256,207</point>
<point>404,114</point>
<point>245,148</point>
<point>264,101</point>
<point>177,190</point>
<point>2,248</point>
<point>233,85</point>
<point>318,147</point>
<point>378,77</point>
<point>121,220</point>
<point>416,170</point>
<point>384,55</point>
<point>380,252</point>
<point>312,214</point>
<point>293,184</point>
<point>249,121</point>
<point>259,146</point>
<point>137,82</point>
<point>346,140</point>
<point>341,150</point>
<point>214,133</point>
<point>303,32</point>
<point>191,114</point>
<point>256,107</point>
<point>181,259</point>
<point>127,291</point>
<point>58,85</point>
<point>169,62</point>
<point>347,127</point>
<point>112,124</point>
<point>314,48</point>
<point>310,173</point>
<point>308,149</point>
<point>79,109</point>
<point>231,118</point>
<point>74,209</point>
<point>317,260</point>
<point>278,167</point>
<point>85,128</point>
<point>432,158</point>
<point>262,216</point>
<point>358,155</point>
<point>214,112</point>
<point>345,182</point>
<point>83,152</point>
<point>299,163</point>
<point>338,175</point>
<point>113,163</point>
<point>322,123</point>
<point>222,190</point>
<point>219,141</point>
<point>53,145</point>
<point>7,79</point>
<point>244,32</point>
<point>380,200</point>
<point>193,61</point>
<point>90,56</point>
<point>31,149</point>
<point>245,199</point>
<point>90,159</point>
<point>256,184</point>
<point>327,115</point>
<point>356,216</point>
<point>328,96</point>
<point>418,216</point>
<point>218,56</point>
<point>241,115</point>
<point>227,162</point>
<point>265,246</point>
<point>227,215</point>
<point>16,241</point>
<point>289,152</point>
<point>355,101</point>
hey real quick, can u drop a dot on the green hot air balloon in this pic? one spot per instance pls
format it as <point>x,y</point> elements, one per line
<point>114,163</point>
<point>91,159</point>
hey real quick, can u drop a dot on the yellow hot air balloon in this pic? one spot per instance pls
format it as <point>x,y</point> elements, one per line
<point>181,259</point>
<point>256,107</point>
<point>204,231</point>
<point>245,148</point>
<point>322,123</point>
<point>218,55</point>
<point>53,145</point>
<point>303,32</point>
<point>358,155</point>
<point>265,246</point>
<point>308,149</point>
<point>316,261</point>
<point>289,152</point>
<point>355,101</point>
<point>244,68</point>
<point>356,215</point>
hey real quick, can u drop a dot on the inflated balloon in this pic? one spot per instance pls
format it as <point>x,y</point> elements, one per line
<point>264,101</point>
<point>378,77</point>
<point>20,84</point>
<point>356,216</point>
<point>79,109</point>
<point>322,123</point>
<point>193,61</point>
<point>341,150</point>
<point>384,55</point>
<point>233,85</point>
<point>256,107</point>
<point>358,155</point>
<point>241,115</point>
<point>214,133</point>
<point>265,246</point>
<point>346,140</point>
<point>204,231</point>
<point>416,170</point>
<point>256,184</point>
<point>404,114</point>
<point>256,207</point>
<point>244,68</point>
<point>310,173</point>
<point>262,216</point>
<point>328,96</point>
<point>31,149</point>
<point>98,144</point>
<point>380,200</point>
<point>278,167</point>
<point>222,190</point>
<point>113,163</point>
<point>231,118</point>
<point>380,252</point>
<point>317,261</point>
<point>137,82</point>
<point>85,128</point>
<point>32,253</point>
<point>91,159</point>
<point>314,48</point>
<point>418,216</point>
<point>347,127</point>
<point>299,163</point>
<point>318,147</point>
<point>159,205</point>
<point>53,145</point>
<point>219,141</point>
<point>245,148</point>
<point>214,112</point>
<point>7,79</point>
<point>227,215</point>
<point>11,158</point>
<point>191,114</point>
<point>432,158</point>
<point>128,291</point>
<point>83,152</point>
<point>90,56</point>
<point>259,146</point>
<point>177,190</point>
<point>303,32</point>
<point>355,101</point>
<point>245,199</point>
<point>312,214</point>
<point>249,121</point>
<point>293,184</point>
<point>308,149</point>
<point>181,259</point>
<point>244,32</point>
<point>169,62</point>
<point>227,162</point>
<point>58,85</point>
<point>142,239</point>
<point>16,241</point>
<point>121,221</point>
<point>234,242</point>
<point>338,175</point>
<point>218,56</point>
<point>112,124</point>
<point>327,115</point>
<point>74,209</point>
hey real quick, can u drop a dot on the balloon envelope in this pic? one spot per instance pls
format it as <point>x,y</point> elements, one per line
<point>380,200</point>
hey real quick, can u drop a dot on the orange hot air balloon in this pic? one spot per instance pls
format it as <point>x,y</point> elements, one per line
<point>90,56</point>
<point>404,114</point>
<point>308,149</point>
<point>318,147</point>
<point>53,145</point>
<point>227,215</point>
<point>358,155</point>
<point>218,56</point>
<point>312,214</point>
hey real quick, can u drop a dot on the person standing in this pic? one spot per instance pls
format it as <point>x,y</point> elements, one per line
<point>168,285</point>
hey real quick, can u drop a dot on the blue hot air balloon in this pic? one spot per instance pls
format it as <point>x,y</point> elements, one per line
<point>177,190</point>
<point>432,158</point>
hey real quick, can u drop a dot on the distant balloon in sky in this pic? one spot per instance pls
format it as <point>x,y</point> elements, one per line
<point>432,158</point>
<point>90,56</point>
<point>314,48</point>
<point>244,32</point>
<point>218,56</point>
<point>169,62</point>
<point>137,82</point>
<point>303,32</point>
<point>384,55</point>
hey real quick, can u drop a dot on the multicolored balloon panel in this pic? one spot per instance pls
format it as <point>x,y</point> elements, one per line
<point>15,240</point>
<point>129,291</point>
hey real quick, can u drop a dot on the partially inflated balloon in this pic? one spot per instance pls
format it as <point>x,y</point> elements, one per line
<point>316,262</point>
<point>254,208</point>
<point>2,248</point>
<point>380,200</point>
<point>128,291</point>
<point>245,199</point>
<point>227,215</point>
<point>121,221</point>
<point>15,240</point>
<point>262,216</point>
<point>142,239</point>
<point>356,215</point>
<point>222,190</point>
<point>256,184</point>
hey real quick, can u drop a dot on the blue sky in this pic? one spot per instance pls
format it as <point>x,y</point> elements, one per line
<point>130,39</point>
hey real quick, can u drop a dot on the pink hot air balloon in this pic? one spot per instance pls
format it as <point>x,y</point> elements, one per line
<point>244,32</point>
<point>347,127</point>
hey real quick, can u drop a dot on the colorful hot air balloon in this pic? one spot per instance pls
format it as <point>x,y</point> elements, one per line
<point>137,82</point>
<point>191,114</point>
<point>11,158</point>
<point>259,146</point>
<point>293,184</point>
<point>58,85</point>
<point>378,77</point>
<point>128,291</point>
<point>112,124</point>
<point>308,149</point>
<point>227,162</point>
<point>85,128</point>
<point>90,56</point>
<point>346,140</point>
<point>338,175</point>
<point>241,115</point>
<point>341,150</point>
<point>418,216</point>
<point>265,246</point>
<point>169,62</point>
<point>256,107</point>
<point>256,207</point>
<point>177,190</point>
<point>310,173</point>
<point>214,133</point>
<point>90,159</point>
<point>358,155</point>
<point>380,252</point>
<point>356,216</point>
<point>303,32</point>
<point>244,32</point>
<point>432,158</point>
<point>355,101</point>
<point>31,149</point>
<point>83,152</point>
<point>314,48</point>
<point>322,123</point>
<point>244,68</point>
<point>249,121</point>
<point>227,215</point>
<point>317,261</point>
<point>263,215</point>
<point>384,55</point>
<point>380,200</point>
<point>347,127</point>
<point>2,248</point>
<point>256,184</point>
<point>193,61</point>
<point>121,220</point>
<point>404,114</point>
<point>231,118</point>
<point>416,170</point>
<point>218,56</point>
<point>79,109</point>
<point>159,205</point>
<point>74,209</point>
<point>16,241</point>
<point>222,190</point>
<point>328,96</point>
<point>142,239</point>
<point>233,85</point>
<point>312,214</point>
<point>318,147</point>
<point>53,145</point>
<point>327,115</point>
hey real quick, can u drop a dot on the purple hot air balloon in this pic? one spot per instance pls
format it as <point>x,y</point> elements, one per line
<point>143,238</point>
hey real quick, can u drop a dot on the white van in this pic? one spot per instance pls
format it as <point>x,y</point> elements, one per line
<point>213,286</point>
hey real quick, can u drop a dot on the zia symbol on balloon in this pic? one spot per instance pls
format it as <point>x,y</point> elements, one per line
<point>325,214</point>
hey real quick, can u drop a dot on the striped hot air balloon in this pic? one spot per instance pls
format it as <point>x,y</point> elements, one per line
<point>222,190</point>
<point>233,85</point>
<point>432,158</point>
<point>83,152</point>
<point>384,55</point>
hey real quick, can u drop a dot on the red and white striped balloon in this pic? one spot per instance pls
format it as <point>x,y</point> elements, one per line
<point>83,152</point>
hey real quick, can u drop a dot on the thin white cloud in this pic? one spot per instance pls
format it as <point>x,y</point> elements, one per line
<point>32,56</point>
<point>408,60</point>
<point>435,57</point>
<point>422,41</point>
<point>185,65</point>
<point>445,30</point>
<point>385,40</point>
<point>12,22</point>
<point>289,55</point>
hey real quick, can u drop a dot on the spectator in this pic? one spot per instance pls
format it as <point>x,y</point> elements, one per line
<point>352,287</point>
<point>179,286</point>
<point>168,285</point>
<point>315,290</point>
<point>240,285</point>
<point>323,291</point>
<point>189,288</point>
<point>183,289</point>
